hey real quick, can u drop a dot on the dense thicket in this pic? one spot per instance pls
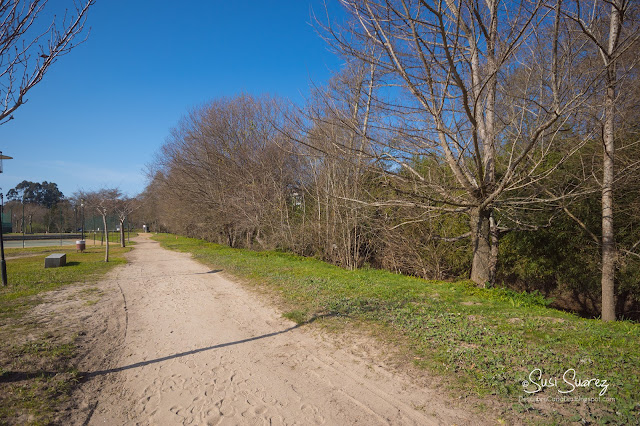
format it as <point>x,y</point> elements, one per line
<point>228,175</point>
<point>459,140</point>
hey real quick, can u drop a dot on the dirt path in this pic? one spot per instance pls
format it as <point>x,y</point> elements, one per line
<point>184,345</point>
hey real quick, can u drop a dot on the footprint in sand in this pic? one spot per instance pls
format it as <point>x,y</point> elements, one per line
<point>311,414</point>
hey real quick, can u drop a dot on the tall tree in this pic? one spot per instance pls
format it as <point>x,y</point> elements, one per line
<point>480,88</point>
<point>45,194</point>
<point>225,173</point>
<point>610,32</point>
<point>334,175</point>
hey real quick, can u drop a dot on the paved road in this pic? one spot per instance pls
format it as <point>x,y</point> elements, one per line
<point>38,243</point>
<point>51,243</point>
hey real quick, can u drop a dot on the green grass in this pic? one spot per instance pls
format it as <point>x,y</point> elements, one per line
<point>483,342</point>
<point>27,276</point>
<point>33,396</point>
<point>37,370</point>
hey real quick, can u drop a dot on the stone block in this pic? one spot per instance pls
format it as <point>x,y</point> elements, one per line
<point>55,260</point>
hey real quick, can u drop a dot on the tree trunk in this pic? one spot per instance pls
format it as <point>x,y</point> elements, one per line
<point>249,239</point>
<point>608,170</point>
<point>480,240</point>
<point>122,244</point>
<point>106,237</point>
<point>495,240</point>
<point>608,231</point>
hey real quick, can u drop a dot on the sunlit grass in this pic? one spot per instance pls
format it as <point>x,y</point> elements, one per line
<point>28,277</point>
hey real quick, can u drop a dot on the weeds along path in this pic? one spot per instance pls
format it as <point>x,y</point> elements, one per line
<point>191,347</point>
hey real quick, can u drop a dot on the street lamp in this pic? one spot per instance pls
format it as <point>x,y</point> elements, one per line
<point>3,157</point>
<point>82,214</point>
<point>3,264</point>
<point>22,227</point>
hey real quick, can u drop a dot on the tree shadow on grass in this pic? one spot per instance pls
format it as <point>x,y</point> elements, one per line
<point>18,376</point>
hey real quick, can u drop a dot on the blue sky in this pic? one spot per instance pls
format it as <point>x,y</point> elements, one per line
<point>103,111</point>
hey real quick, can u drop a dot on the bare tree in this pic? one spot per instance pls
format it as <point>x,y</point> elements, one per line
<point>480,88</point>
<point>226,174</point>
<point>30,44</point>
<point>335,175</point>
<point>104,203</point>
<point>123,208</point>
<point>613,36</point>
<point>150,204</point>
<point>35,213</point>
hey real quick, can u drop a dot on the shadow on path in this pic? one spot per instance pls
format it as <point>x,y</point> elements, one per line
<point>89,375</point>
<point>215,271</point>
<point>16,376</point>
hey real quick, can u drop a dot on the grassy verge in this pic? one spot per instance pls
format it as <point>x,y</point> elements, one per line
<point>36,360</point>
<point>27,276</point>
<point>485,343</point>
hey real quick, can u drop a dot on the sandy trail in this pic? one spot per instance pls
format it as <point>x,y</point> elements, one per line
<point>191,347</point>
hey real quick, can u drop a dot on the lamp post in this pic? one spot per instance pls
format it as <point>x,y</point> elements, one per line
<point>22,227</point>
<point>61,225</point>
<point>82,214</point>
<point>3,264</point>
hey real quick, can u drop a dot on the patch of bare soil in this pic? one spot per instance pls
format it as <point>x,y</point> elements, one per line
<point>42,346</point>
<point>167,341</point>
